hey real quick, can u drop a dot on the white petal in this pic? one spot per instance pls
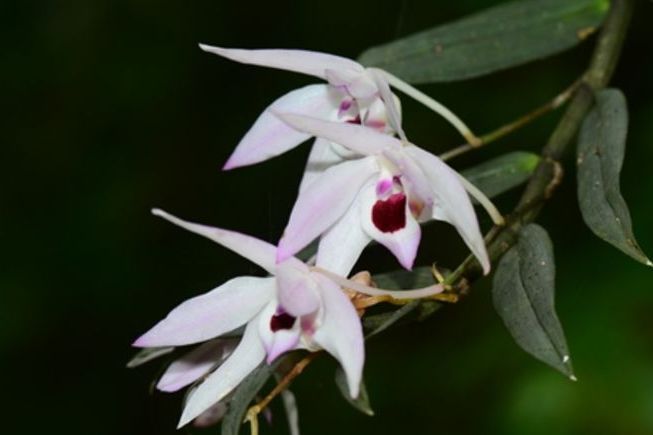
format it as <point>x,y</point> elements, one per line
<point>282,341</point>
<point>270,137</point>
<point>403,243</point>
<point>296,290</point>
<point>356,83</point>
<point>302,61</point>
<point>416,182</point>
<point>247,356</point>
<point>389,99</point>
<point>451,202</point>
<point>341,333</point>
<point>342,244</point>
<point>255,250</point>
<point>321,158</point>
<point>324,202</point>
<point>363,140</point>
<point>276,342</point>
<point>212,314</point>
<point>195,364</point>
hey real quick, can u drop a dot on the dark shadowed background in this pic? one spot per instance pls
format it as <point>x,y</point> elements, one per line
<point>111,109</point>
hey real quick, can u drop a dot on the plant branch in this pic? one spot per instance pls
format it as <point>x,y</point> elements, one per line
<point>547,175</point>
<point>518,123</point>
<point>296,370</point>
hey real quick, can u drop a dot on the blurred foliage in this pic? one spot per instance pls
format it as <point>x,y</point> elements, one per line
<point>111,109</point>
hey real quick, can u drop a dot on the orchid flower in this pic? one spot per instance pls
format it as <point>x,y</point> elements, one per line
<point>298,307</point>
<point>351,96</point>
<point>382,196</point>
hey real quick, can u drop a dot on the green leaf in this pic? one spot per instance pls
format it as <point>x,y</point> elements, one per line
<point>362,402</point>
<point>523,295</point>
<point>309,251</point>
<point>501,37</point>
<point>502,173</point>
<point>292,414</point>
<point>380,322</point>
<point>405,279</point>
<point>601,149</point>
<point>148,354</point>
<point>242,397</point>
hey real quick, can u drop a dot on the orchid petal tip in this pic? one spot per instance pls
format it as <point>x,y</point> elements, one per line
<point>208,48</point>
<point>166,388</point>
<point>140,342</point>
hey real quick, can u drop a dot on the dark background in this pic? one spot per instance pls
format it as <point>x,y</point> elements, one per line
<point>111,109</point>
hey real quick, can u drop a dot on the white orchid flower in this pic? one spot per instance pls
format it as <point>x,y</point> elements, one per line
<point>298,307</point>
<point>352,95</point>
<point>382,196</point>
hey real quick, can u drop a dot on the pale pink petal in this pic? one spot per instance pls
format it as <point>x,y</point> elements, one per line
<point>270,137</point>
<point>414,179</point>
<point>296,290</point>
<point>212,314</point>
<point>323,203</point>
<point>358,85</point>
<point>340,332</point>
<point>277,341</point>
<point>451,202</point>
<point>402,242</point>
<point>282,341</point>
<point>195,364</point>
<point>389,99</point>
<point>302,61</point>
<point>342,244</point>
<point>321,158</point>
<point>363,140</point>
<point>255,250</point>
<point>245,358</point>
<point>375,116</point>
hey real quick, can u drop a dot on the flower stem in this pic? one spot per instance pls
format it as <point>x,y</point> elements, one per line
<point>432,104</point>
<point>518,123</point>
<point>254,411</point>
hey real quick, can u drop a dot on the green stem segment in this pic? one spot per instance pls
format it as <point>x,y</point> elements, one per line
<point>547,175</point>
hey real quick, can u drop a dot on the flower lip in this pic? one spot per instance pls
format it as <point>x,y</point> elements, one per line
<point>389,215</point>
<point>281,320</point>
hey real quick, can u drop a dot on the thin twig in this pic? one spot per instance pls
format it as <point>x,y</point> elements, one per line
<point>506,129</point>
<point>254,411</point>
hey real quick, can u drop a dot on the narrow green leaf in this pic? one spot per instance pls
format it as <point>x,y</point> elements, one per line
<point>242,397</point>
<point>523,296</point>
<point>405,279</point>
<point>292,414</point>
<point>601,149</point>
<point>380,322</point>
<point>362,402</point>
<point>148,354</point>
<point>309,251</point>
<point>502,173</point>
<point>501,37</point>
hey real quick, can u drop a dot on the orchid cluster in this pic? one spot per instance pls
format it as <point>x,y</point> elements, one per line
<point>364,181</point>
